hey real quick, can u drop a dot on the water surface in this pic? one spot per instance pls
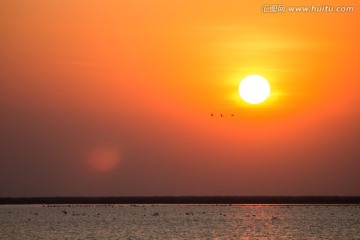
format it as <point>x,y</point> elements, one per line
<point>179,222</point>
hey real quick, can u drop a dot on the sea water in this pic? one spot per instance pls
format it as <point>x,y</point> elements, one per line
<point>179,222</point>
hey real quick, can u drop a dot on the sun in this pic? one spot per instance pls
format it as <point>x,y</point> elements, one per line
<point>254,89</point>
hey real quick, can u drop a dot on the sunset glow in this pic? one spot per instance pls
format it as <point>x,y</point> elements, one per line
<point>160,81</point>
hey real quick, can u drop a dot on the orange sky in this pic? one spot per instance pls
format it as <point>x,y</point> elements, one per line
<point>114,98</point>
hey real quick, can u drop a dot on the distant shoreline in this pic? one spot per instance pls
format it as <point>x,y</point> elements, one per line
<point>299,200</point>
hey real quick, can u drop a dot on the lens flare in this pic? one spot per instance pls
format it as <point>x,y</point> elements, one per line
<point>103,158</point>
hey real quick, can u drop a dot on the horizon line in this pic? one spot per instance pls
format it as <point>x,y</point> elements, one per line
<point>182,200</point>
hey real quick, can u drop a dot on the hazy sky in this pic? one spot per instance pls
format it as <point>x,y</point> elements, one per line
<point>114,98</point>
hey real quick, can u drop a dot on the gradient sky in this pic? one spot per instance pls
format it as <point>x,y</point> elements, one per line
<point>113,98</point>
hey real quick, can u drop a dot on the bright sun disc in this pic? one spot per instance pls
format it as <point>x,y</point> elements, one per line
<point>254,89</point>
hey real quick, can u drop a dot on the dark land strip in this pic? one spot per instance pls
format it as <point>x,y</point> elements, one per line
<point>331,200</point>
